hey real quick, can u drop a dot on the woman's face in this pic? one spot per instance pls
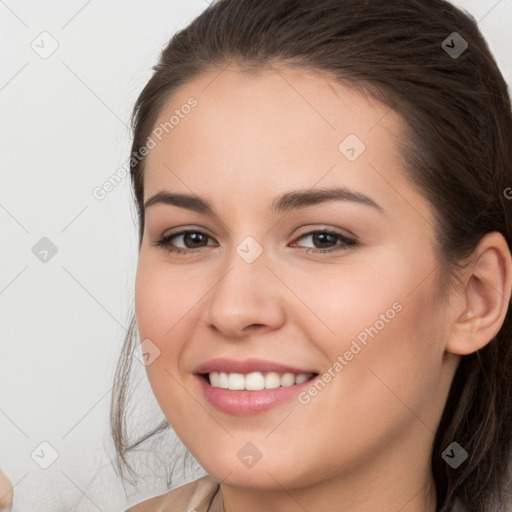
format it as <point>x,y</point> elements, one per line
<point>365,316</point>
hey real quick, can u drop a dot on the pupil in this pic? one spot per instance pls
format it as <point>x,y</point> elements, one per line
<point>320,236</point>
<point>194,236</point>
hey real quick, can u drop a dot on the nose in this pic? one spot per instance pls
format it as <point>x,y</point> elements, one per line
<point>248,298</point>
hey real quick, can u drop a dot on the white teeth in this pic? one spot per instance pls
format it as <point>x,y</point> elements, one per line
<point>223,381</point>
<point>301,378</point>
<point>236,381</point>
<point>272,380</point>
<point>256,381</point>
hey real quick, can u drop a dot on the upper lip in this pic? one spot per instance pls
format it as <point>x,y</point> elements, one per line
<point>247,366</point>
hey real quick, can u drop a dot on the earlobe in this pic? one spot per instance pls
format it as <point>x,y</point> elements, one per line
<point>487,289</point>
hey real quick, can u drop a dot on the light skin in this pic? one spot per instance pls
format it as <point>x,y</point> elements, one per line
<point>364,441</point>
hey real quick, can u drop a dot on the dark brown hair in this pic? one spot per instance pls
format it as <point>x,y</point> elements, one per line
<point>457,150</point>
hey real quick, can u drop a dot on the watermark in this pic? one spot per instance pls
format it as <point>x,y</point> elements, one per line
<point>454,45</point>
<point>249,249</point>
<point>45,45</point>
<point>44,250</point>
<point>508,193</point>
<point>44,455</point>
<point>351,147</point>
<point>100,192</point>
<point>249,454</point>
<point>454,455</point>
<point>146,352</point>
<point>342,360</point>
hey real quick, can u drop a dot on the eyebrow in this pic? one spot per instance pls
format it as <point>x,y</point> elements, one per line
<point>289,201</point>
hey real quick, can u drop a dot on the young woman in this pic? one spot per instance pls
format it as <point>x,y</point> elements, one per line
<point>322,294</point>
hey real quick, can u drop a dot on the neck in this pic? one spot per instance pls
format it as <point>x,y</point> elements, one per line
<point>320,498</point>
<point>392,481</point>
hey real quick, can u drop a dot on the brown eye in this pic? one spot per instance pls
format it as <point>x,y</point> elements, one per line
<point>192,240</point>
<point>325,241</point>
<point>326,237</point>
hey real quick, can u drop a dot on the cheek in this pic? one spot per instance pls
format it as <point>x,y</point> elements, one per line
<point>382,322</point>
<point>169,302</point>
<point>395,346</point>
<point>164,307</point>
<point>374,292</point>
<point>163,297</point>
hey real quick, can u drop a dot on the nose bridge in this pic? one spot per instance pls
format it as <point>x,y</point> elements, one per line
<point>247,293</point>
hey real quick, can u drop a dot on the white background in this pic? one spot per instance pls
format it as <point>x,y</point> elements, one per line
<point>63,132</point>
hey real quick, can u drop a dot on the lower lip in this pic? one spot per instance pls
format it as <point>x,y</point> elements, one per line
<point>247,403</point>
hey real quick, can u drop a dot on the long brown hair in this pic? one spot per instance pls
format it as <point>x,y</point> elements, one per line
<point>458,150</point>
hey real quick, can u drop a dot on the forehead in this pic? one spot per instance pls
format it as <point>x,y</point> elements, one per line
<point>271,130</point>
<point>270,100</point>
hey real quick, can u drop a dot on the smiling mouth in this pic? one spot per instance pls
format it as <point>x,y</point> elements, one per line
<point>255,381</point>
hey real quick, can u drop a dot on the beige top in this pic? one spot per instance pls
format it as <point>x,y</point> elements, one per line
<point>201,495</point>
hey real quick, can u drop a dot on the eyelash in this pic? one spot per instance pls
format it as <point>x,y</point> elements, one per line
<point>165,242</point>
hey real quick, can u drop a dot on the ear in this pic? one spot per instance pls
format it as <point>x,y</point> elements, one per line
<point>487,282</point>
